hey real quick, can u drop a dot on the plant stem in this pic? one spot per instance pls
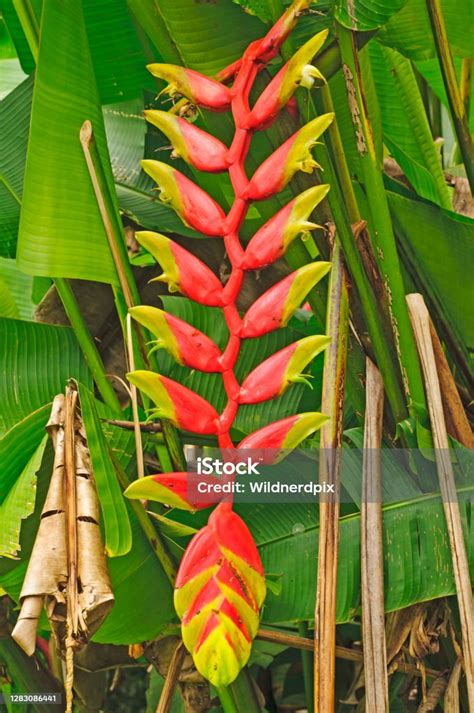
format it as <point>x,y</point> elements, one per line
<point>332,404</point>
<point>466,83</point>
<point>342,652</point>
<point>112,224</point>
<point>455,100</point>
<point>240,696</point>
<point>29,25</point>
<point>372,582</point>
<point>86,343</point>
<point>346,213</point>
<point>308,674</point>
<point>383,238</point>
<point>421,327</point>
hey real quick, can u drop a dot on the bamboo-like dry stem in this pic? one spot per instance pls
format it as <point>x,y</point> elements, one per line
<point>331,440</point>
<point>373,611</point>
<point>111,224</point>
<point>453,92</point>
<point>171,681</point>
<point>457,422</point>
<point>342,652</point>
<point>421,326</point>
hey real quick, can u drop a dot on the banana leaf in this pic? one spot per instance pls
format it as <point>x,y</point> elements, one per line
<point>36,360</point>
<point>61,232</point>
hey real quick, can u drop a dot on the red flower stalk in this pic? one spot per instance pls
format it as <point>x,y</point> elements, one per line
<point>220,585</point>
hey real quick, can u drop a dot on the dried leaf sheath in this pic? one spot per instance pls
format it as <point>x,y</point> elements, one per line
<point>46,577</point>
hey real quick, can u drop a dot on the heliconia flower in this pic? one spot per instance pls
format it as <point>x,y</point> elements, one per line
<point>198,88</point>
<point>295,73</point>
<point>274,440</point>
<point>169,488</point>
<point>186,344</point>
<point>193,205</point>
<point>273,376</point>
<point>183,407</point>
<point>292,156</point>
<point>274,308</point>
<point>193,145</point>
<point>271,241</point>
<point>220,588</point>
<point>267,48</point>
<point>182,271</point>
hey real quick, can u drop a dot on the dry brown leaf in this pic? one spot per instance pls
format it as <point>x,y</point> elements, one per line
<point>451,697</point>
<point>47,575</point>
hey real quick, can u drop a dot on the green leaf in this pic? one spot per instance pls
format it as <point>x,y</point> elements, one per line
<point>11,75</point>
<point>409,30</point>
<point>15,121</point>
<point>19,504</point>
<point>170,527</point>
<point>118,57</point>
<point>36,360</point>
<point>117,54</point>
<point>61,232</point>
<point>143,595</point>
<point>17,288</point>
<point>112,504</point>
<point>362,15</point>
<point>207,36</point>
<point>439,248</point>
<point>18,445</point>
<point>413,530</point>
<point>430,70</point>
<point>16,32</point>
<point>406,130</point>
<point>154,692</point>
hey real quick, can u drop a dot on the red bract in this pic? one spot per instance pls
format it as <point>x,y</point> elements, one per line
<point>272,442</point>
<point>294,155</point>
<point>220,585</point>
<point>196,87</point>
<point>193,205</point>
<point>186,344</point>
<point>274,308</point>
<point>273,376</point>
<point>183,271</point>
<point>175,402</point>
<point>196,147</point>
<point>296,72</point>
<point>169,488</point>
<point>272,240</point>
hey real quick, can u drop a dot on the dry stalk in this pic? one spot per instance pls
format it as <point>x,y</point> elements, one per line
<point>457,423</point>
<point>329,471</point>
<point>421,326</point>
<point>171,680</point>
<point>342,652</point>
<point>373,611</point>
